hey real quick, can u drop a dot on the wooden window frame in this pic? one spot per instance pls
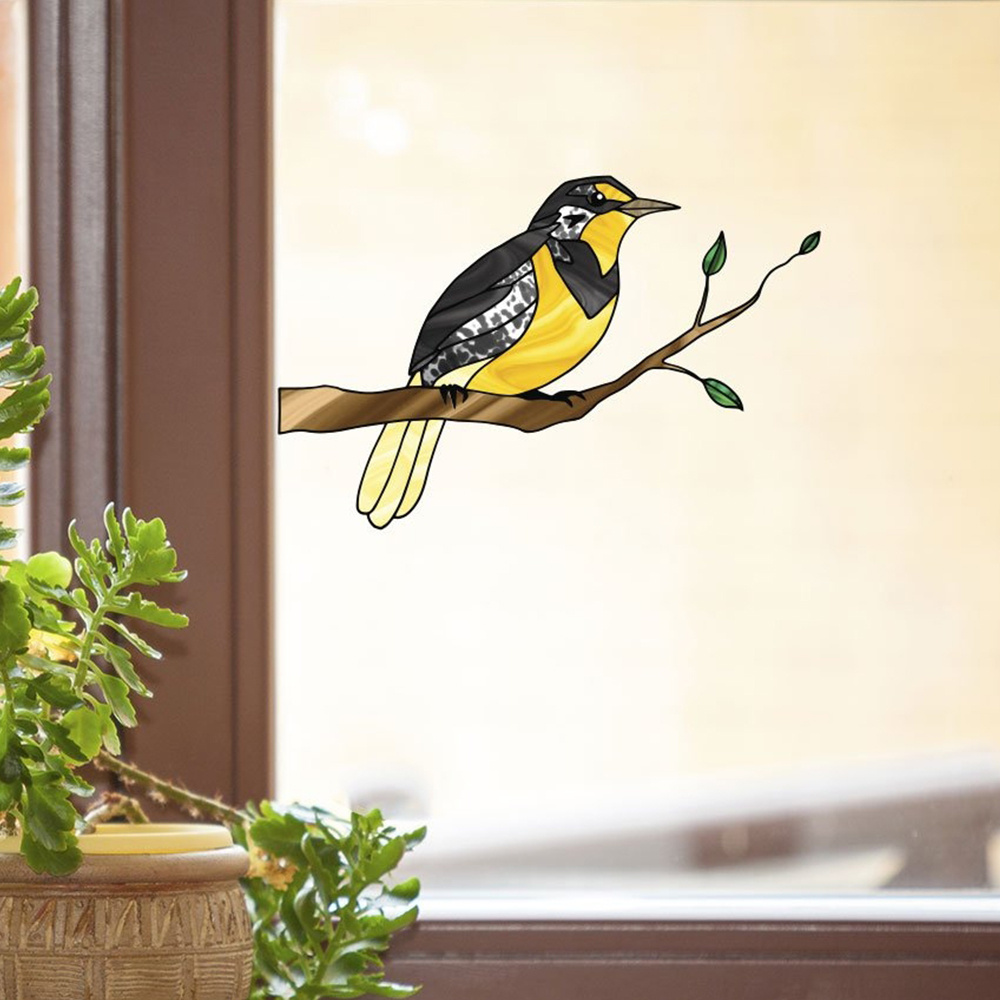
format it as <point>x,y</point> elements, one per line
<point>150,244</point>
<point>149,234</point>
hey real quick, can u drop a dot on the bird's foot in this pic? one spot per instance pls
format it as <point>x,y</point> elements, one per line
<point>565,396</point>
<point>451,394</point>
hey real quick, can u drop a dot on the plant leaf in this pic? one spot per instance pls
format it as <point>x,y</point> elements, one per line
<point>62,738</point>
<point>13,458</point>
<point>721,394</point>
<point>14,622</point>
<point>148,611</point>
<point>810,242</point>
<point>16,310</point>
<point>24,407</point>
<point>43,859</point>
<point>51,568</point>
<point>116,692</point>
<point>116,540</point>
<point>109,731</point>
<point>86,728</point>
<point>122,662</point>
<point>49,816</point>
<point>716,257</point>
<point>137,641</point>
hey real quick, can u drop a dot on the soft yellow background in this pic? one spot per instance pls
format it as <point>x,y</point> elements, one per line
<point>666,588</point>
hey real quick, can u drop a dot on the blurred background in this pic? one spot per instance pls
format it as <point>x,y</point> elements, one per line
<point>13,173</point>
<point>669,645</point>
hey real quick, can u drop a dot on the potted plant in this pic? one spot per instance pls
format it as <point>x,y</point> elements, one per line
<point>266,901</point>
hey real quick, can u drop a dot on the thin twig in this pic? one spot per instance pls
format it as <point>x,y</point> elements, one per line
<point>110,806</point>
<point>704,302</point>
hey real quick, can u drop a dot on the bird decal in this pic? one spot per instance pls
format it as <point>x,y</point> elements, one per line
<point>520,317</point>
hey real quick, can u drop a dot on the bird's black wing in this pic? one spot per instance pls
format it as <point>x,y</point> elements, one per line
<point>473,292</point>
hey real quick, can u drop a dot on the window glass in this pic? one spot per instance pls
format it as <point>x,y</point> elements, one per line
<point>671,644</point>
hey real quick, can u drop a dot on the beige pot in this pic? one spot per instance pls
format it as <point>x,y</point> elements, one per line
<point>154,912</point>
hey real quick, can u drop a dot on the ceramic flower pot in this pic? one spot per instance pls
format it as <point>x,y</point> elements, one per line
<point>154,912</point>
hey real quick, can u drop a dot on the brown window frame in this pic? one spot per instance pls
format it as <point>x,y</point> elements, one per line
<point>150,244</point>
<point>149,234</point>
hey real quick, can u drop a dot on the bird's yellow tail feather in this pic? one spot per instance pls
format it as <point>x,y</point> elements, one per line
<point>380,465</point>
<point>396,472</point>
<point>421,465</point>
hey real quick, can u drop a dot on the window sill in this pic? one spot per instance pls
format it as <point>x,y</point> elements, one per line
<point>862,907</point>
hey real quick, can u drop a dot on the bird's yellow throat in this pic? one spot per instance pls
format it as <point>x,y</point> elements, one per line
<point>604,234</point>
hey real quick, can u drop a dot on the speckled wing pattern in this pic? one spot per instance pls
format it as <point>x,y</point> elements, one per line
<point>485,310</point>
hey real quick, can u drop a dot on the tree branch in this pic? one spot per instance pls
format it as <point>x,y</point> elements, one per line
<point>327,408</point>
<point>161,791</point>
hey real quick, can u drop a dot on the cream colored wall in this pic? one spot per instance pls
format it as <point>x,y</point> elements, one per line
<point>666,588</point>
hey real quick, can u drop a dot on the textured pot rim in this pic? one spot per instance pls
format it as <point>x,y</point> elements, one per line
<point>222,864</point>
<point>143,838</point>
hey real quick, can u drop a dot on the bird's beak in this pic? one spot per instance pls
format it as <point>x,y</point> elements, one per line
<point>638,207</point>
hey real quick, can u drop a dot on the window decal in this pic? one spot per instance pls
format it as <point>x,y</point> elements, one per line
<point>522,316</point>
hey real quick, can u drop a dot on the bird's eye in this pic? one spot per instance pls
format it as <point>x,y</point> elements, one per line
<point>595,198</point>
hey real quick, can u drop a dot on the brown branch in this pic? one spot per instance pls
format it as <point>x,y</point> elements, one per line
<point>160,790</point>
<point>112,805</point>
<point>326,408</point>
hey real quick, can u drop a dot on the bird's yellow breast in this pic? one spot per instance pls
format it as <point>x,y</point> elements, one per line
<point>558,338</point>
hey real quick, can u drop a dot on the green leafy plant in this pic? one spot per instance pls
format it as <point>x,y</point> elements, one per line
<point>323,911</point>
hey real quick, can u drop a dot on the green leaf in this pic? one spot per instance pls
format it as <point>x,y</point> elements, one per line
<point>116,540</point>
<point>279,834</point>
<point>721,394</point>
<point>16,310</point>
<point>716,257</point>
<point>54,690</point>
<point>86,728</point>
<point>49,816</point>
<point>43,859</point>
<point>288,912</point>
<point>810,243</point>
<point>384,859</point>
<point>415,837</point>
<point>14,622</point>
<point>9,794</point>
<point>137,607</point>
<point>308,912</point>
<point>8,293</point>
<point>116,692</point>
<point>148,536</point>
<point>75,785</point>
<point>51,568</point>
<point>8,537</point>
<point>63,739</point>
<point>79,545</point>
<point>137,641</point>
<point>408,890</point>
<point>6,728</point>
<point>12,769</point>
<point>122,662</point>
<point>109,731</point>
<point>20,363</point>
<point>13,458</point>
<point>378,925</point>
<point>24,407</point>
<point>10,494</point>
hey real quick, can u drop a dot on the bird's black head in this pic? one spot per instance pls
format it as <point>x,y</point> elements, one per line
<point>572,205</point>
